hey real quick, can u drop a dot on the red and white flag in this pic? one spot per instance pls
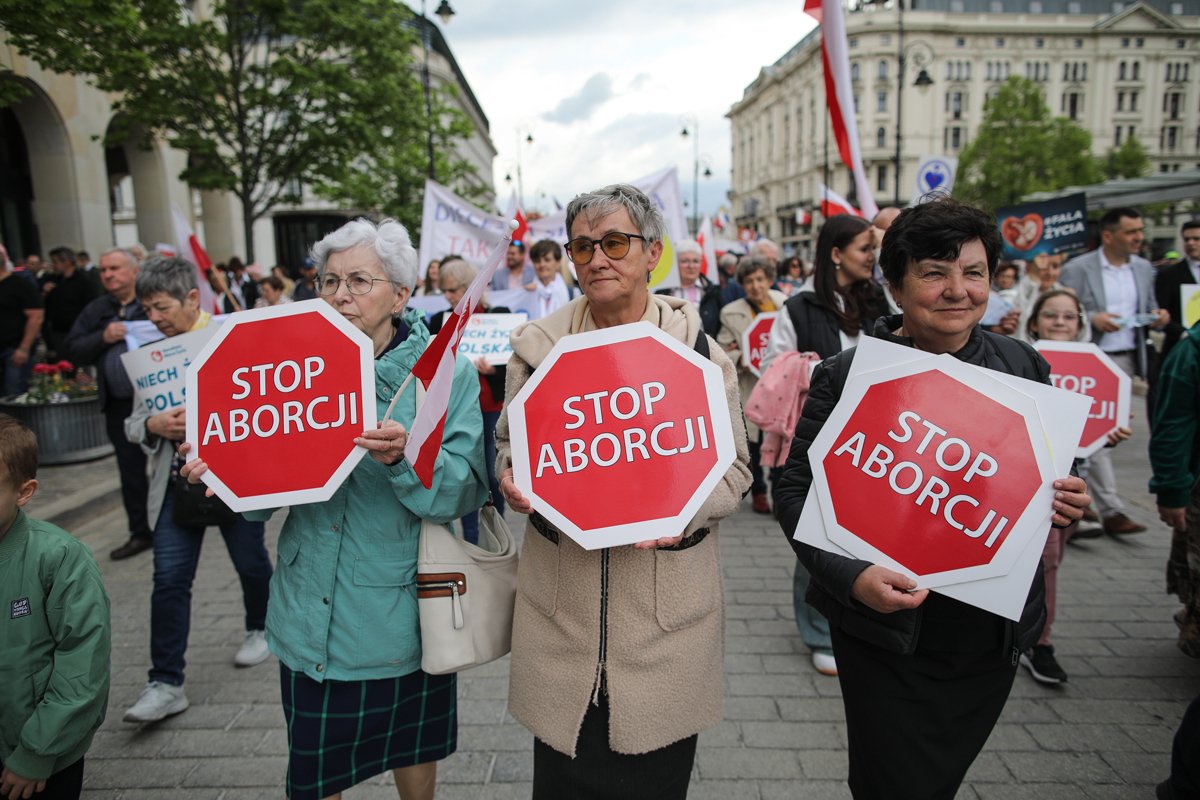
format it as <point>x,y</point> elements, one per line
<point>435,370</point>
<point>839,93</point>
<point>833,204</point>
<point>708,253</point>
<point>188,247</point>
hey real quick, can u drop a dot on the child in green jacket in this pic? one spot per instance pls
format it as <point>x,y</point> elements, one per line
<point>54,638</point>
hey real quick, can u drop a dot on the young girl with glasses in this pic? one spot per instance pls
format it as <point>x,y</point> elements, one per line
<point>1057,316</point>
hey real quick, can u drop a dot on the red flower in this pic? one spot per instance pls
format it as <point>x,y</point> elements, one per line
<point>42,369</point>
<point>65,366</point>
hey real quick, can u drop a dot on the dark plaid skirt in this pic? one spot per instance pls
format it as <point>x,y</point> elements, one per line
<point>341,733</point>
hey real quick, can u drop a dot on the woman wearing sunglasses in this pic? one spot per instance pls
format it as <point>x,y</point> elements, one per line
<point>618,671</point>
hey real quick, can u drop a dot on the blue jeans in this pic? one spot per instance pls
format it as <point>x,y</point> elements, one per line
<point>16,379</point>
<point>813,627</point>
<point>470,521</point>
<point>176,555</point>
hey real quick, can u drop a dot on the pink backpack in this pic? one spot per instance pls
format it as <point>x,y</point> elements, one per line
<point>776,401</point>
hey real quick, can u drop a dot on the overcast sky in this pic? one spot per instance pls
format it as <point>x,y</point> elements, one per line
<point>604,88</point>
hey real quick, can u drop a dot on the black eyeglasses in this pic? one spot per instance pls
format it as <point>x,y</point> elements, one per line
<point>357,282</point>
<point>615,245</point>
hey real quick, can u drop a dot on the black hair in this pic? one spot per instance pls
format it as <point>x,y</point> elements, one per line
<point>545,247</point>
<point>1111,220</point>
<point>936,230</point>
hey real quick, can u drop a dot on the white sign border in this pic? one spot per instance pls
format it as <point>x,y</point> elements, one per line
<point>1021,530</point>
<point>633,532</point>
<point>367,398</point>
<point>1124,388</point>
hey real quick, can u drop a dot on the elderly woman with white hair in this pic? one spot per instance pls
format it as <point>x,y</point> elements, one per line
<point>695,287</point>
<point>343,617</point>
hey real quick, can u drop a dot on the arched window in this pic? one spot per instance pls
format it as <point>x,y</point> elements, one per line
<point>854,71</point>
<point>883,70</point>
<point>881,138</point>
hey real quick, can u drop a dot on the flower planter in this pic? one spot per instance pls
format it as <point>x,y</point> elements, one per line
<point>67,432</point>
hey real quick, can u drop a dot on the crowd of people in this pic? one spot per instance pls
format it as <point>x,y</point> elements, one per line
<point>617,653</point>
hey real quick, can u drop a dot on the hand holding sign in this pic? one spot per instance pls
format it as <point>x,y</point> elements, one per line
<point>626,412</point>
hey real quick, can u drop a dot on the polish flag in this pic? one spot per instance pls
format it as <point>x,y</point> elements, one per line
<point>515,212</point>
<point>833,204</point>
<point>708,253</point>
<point>188,247</point>
<point>435,369</point>
<point>839,94</point>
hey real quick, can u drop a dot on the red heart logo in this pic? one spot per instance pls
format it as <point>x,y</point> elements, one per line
<point>1022,233</point>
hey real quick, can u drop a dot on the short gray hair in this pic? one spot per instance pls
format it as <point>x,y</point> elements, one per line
<point>762,244</point>
<point>598,204</point>
<point>130,256</point>
<point>689,246</point>
<point>388,239</point>
<point>166,274</point>
<point>458,270</point>
<point>752,264</point>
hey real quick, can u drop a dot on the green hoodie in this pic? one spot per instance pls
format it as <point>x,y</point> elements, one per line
<point>54,648</point>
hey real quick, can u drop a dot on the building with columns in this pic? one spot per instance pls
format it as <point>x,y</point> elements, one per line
<point>60,184</point>
<point>1118,68</point>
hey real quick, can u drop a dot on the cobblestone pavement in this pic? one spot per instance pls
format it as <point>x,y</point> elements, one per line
<point>1106,734</point>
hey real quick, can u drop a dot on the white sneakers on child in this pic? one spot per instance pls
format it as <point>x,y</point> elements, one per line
<point>157,701</point>
<point>253,651</point>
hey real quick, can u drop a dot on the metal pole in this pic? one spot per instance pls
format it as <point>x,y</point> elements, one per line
<point>520,185</point>
<point>425,23</point>
<point>900,64</point>
<point>696,178</point>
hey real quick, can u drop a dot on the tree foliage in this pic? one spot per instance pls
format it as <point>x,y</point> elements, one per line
<point>261,94</point>
<point>1127,161</point>
<point>1020,148</point>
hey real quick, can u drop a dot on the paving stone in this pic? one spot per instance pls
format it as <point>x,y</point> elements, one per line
<point>748,764</point>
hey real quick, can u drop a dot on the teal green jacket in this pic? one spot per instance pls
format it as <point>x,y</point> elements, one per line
<point>1175,435</point>
<point>54,648</point>
<point>343,596</point>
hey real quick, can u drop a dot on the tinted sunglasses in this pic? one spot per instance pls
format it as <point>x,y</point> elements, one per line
<point>615,245</point>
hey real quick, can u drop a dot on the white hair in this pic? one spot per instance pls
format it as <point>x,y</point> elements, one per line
<point>761,245</point>
<point>388,239</point>
<point>689,246</point>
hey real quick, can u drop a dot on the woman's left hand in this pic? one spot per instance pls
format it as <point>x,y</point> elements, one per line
<point>1070,499</point>
<point>385,443</point>
<point>192,470</point>
<point>654,544</point>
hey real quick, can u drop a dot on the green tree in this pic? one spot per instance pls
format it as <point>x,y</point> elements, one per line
<point>262,94</point>
<point>1127,161</point>
<point>389,177</point>
<point>1020,148</point>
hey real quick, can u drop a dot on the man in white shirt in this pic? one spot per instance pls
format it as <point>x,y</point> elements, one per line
<point>1115,286</point>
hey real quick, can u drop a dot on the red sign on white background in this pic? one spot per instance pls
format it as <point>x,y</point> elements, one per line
<point>275,400</point>
<point>620,435</point>
<point>755,339</point>
<point>1083,367</point>
<point>934,468</point>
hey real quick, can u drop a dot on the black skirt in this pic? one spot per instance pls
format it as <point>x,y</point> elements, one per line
<point>341,733</point>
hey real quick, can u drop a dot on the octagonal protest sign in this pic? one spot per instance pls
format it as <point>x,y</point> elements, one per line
<point>935,469</point>
<point>1083,367</point>
<point>755,338</point>
<point>274,402</point>
<point>620,435</point>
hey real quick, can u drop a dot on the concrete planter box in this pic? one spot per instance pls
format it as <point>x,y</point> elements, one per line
<point>67,432</point>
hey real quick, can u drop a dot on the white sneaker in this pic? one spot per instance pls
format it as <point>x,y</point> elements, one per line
<point>157,701</point>
<point>824,663</point>
<point>253,651</point>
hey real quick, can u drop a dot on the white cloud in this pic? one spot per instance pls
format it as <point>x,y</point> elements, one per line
<point>604,89</point>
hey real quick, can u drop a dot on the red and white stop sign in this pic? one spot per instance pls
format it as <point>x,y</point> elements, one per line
<point>935,469</point>
<point>755,339</point>
<point>620,435</point>
<point>1083,367</point>
<point>274,401</point>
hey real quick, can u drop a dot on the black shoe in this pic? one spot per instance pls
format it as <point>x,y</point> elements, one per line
<point>1087,533</point>
<point>1040,662</point>
<point>135,545</point>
